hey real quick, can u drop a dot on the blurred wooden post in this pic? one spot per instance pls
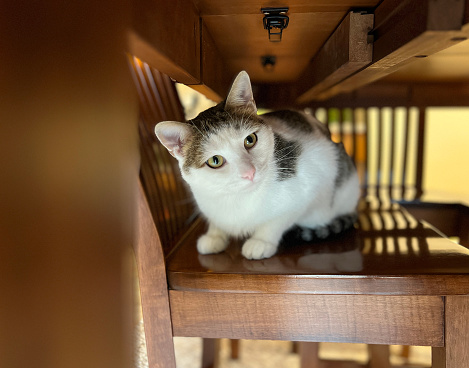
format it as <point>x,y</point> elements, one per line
<point>68,159</point>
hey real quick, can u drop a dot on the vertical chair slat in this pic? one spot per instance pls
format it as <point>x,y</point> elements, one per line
<point>162,115</point>
<point>391,153</point>
<point>367,150</point>
<point>405,153</point>
<point>420,152</point>
<point>171,203</point>
<point>379,127</point>
<point>341,125</point>
<point>389,159</point>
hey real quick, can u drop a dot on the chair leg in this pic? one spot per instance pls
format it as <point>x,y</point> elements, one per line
<point>405,353</point>
<point>309,354</point>
<point>234,349</point>
<point>379,356</point>
<point>294,347</point>
<point>455,353</point>
<point>210,353</point>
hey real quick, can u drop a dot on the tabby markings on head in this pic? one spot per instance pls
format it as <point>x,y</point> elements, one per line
<point>286,155</point>
<point>210,122</point>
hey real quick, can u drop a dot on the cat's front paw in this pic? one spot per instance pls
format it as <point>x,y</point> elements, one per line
<point>258,249</point>
<point>209,244</point>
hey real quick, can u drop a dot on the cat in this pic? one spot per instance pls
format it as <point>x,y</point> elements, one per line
<point>257,176</point>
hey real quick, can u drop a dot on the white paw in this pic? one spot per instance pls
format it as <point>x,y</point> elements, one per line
<point>208,244</point>
<point>258,249</point>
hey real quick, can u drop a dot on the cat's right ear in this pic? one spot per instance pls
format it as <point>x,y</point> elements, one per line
<point>173,135</point>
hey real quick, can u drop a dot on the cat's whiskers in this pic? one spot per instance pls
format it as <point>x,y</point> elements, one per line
<point>195,126</point>
<point>286,155</point>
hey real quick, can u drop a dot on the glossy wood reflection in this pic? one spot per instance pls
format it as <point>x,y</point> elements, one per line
<point>388,252</point>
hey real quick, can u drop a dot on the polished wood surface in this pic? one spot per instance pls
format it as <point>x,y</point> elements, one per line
<point>174,28</point>
<point>403,32</point>
<point>413,320</point>
<point>242,40</point>
<point>153,289</point>
<point>454,355</point>
<point>345,52</point>
<point>228,7</point>
<point>452,219</point>
<point>393,94</point>
<point>195,42</point>
<point>389,253</point>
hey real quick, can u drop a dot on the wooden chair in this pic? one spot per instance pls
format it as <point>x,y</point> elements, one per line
<point>392,280</point>
<point>387,145</point>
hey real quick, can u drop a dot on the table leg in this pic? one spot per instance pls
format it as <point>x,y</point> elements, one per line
<point>455,353</point>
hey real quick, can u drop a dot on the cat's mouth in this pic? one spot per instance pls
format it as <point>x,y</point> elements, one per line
<point>245,185</point>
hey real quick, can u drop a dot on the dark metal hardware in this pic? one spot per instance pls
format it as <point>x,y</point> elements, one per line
<point>275,21</point>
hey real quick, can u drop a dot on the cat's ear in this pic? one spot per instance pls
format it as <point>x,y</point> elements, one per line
<point>241,93</point>
<point>173,136</point>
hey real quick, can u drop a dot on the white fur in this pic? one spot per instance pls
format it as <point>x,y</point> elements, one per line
<point>264,208</point>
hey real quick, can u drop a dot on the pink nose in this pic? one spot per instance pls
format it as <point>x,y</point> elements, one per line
<point>249,174</point>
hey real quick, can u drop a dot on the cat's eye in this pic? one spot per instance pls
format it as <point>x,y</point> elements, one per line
<point>215,161</point>
<point>250,141</point>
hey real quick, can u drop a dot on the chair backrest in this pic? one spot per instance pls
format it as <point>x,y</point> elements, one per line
<point>387,146</point>
<point>169,199</point>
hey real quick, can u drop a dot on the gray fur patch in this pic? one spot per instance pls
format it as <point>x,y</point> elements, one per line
<point>336,226</point>
<point>212,121</point>
<point>299,122</point>
<point>345,166</point>
<point>293,119</point>
<point>286,154</point>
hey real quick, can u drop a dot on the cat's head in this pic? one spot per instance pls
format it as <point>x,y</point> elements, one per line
<point>225,149</point>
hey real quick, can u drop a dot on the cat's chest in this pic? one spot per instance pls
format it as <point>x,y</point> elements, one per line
<point>237,214</point>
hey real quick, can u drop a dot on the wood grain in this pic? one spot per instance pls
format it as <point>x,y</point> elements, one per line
<point>379,356</point>
<point>394,94</point>
<point>390,255</point>
<point>309,354</point>
<point>153,289</point>
<point>168,196</point>
<point>242,40</point>
<point>166,35</point>
<point>210,353</point>
<point>227,7</point>
<point>344,53</point>
<point>455,353</point>
<point>411,320</point>
<point>215,78</point>
<point>404,30</point>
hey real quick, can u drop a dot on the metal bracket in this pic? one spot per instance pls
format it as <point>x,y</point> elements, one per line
<point>275,21</point>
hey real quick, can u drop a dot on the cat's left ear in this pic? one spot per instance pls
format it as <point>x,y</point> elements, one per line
<point>241,94</point>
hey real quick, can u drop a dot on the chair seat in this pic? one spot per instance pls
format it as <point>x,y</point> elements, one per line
<point>388,253</point>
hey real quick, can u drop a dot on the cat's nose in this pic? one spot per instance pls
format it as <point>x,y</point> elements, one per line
<point>249,173</point>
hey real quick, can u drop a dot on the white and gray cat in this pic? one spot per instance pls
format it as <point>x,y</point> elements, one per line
<point>257,176</point>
